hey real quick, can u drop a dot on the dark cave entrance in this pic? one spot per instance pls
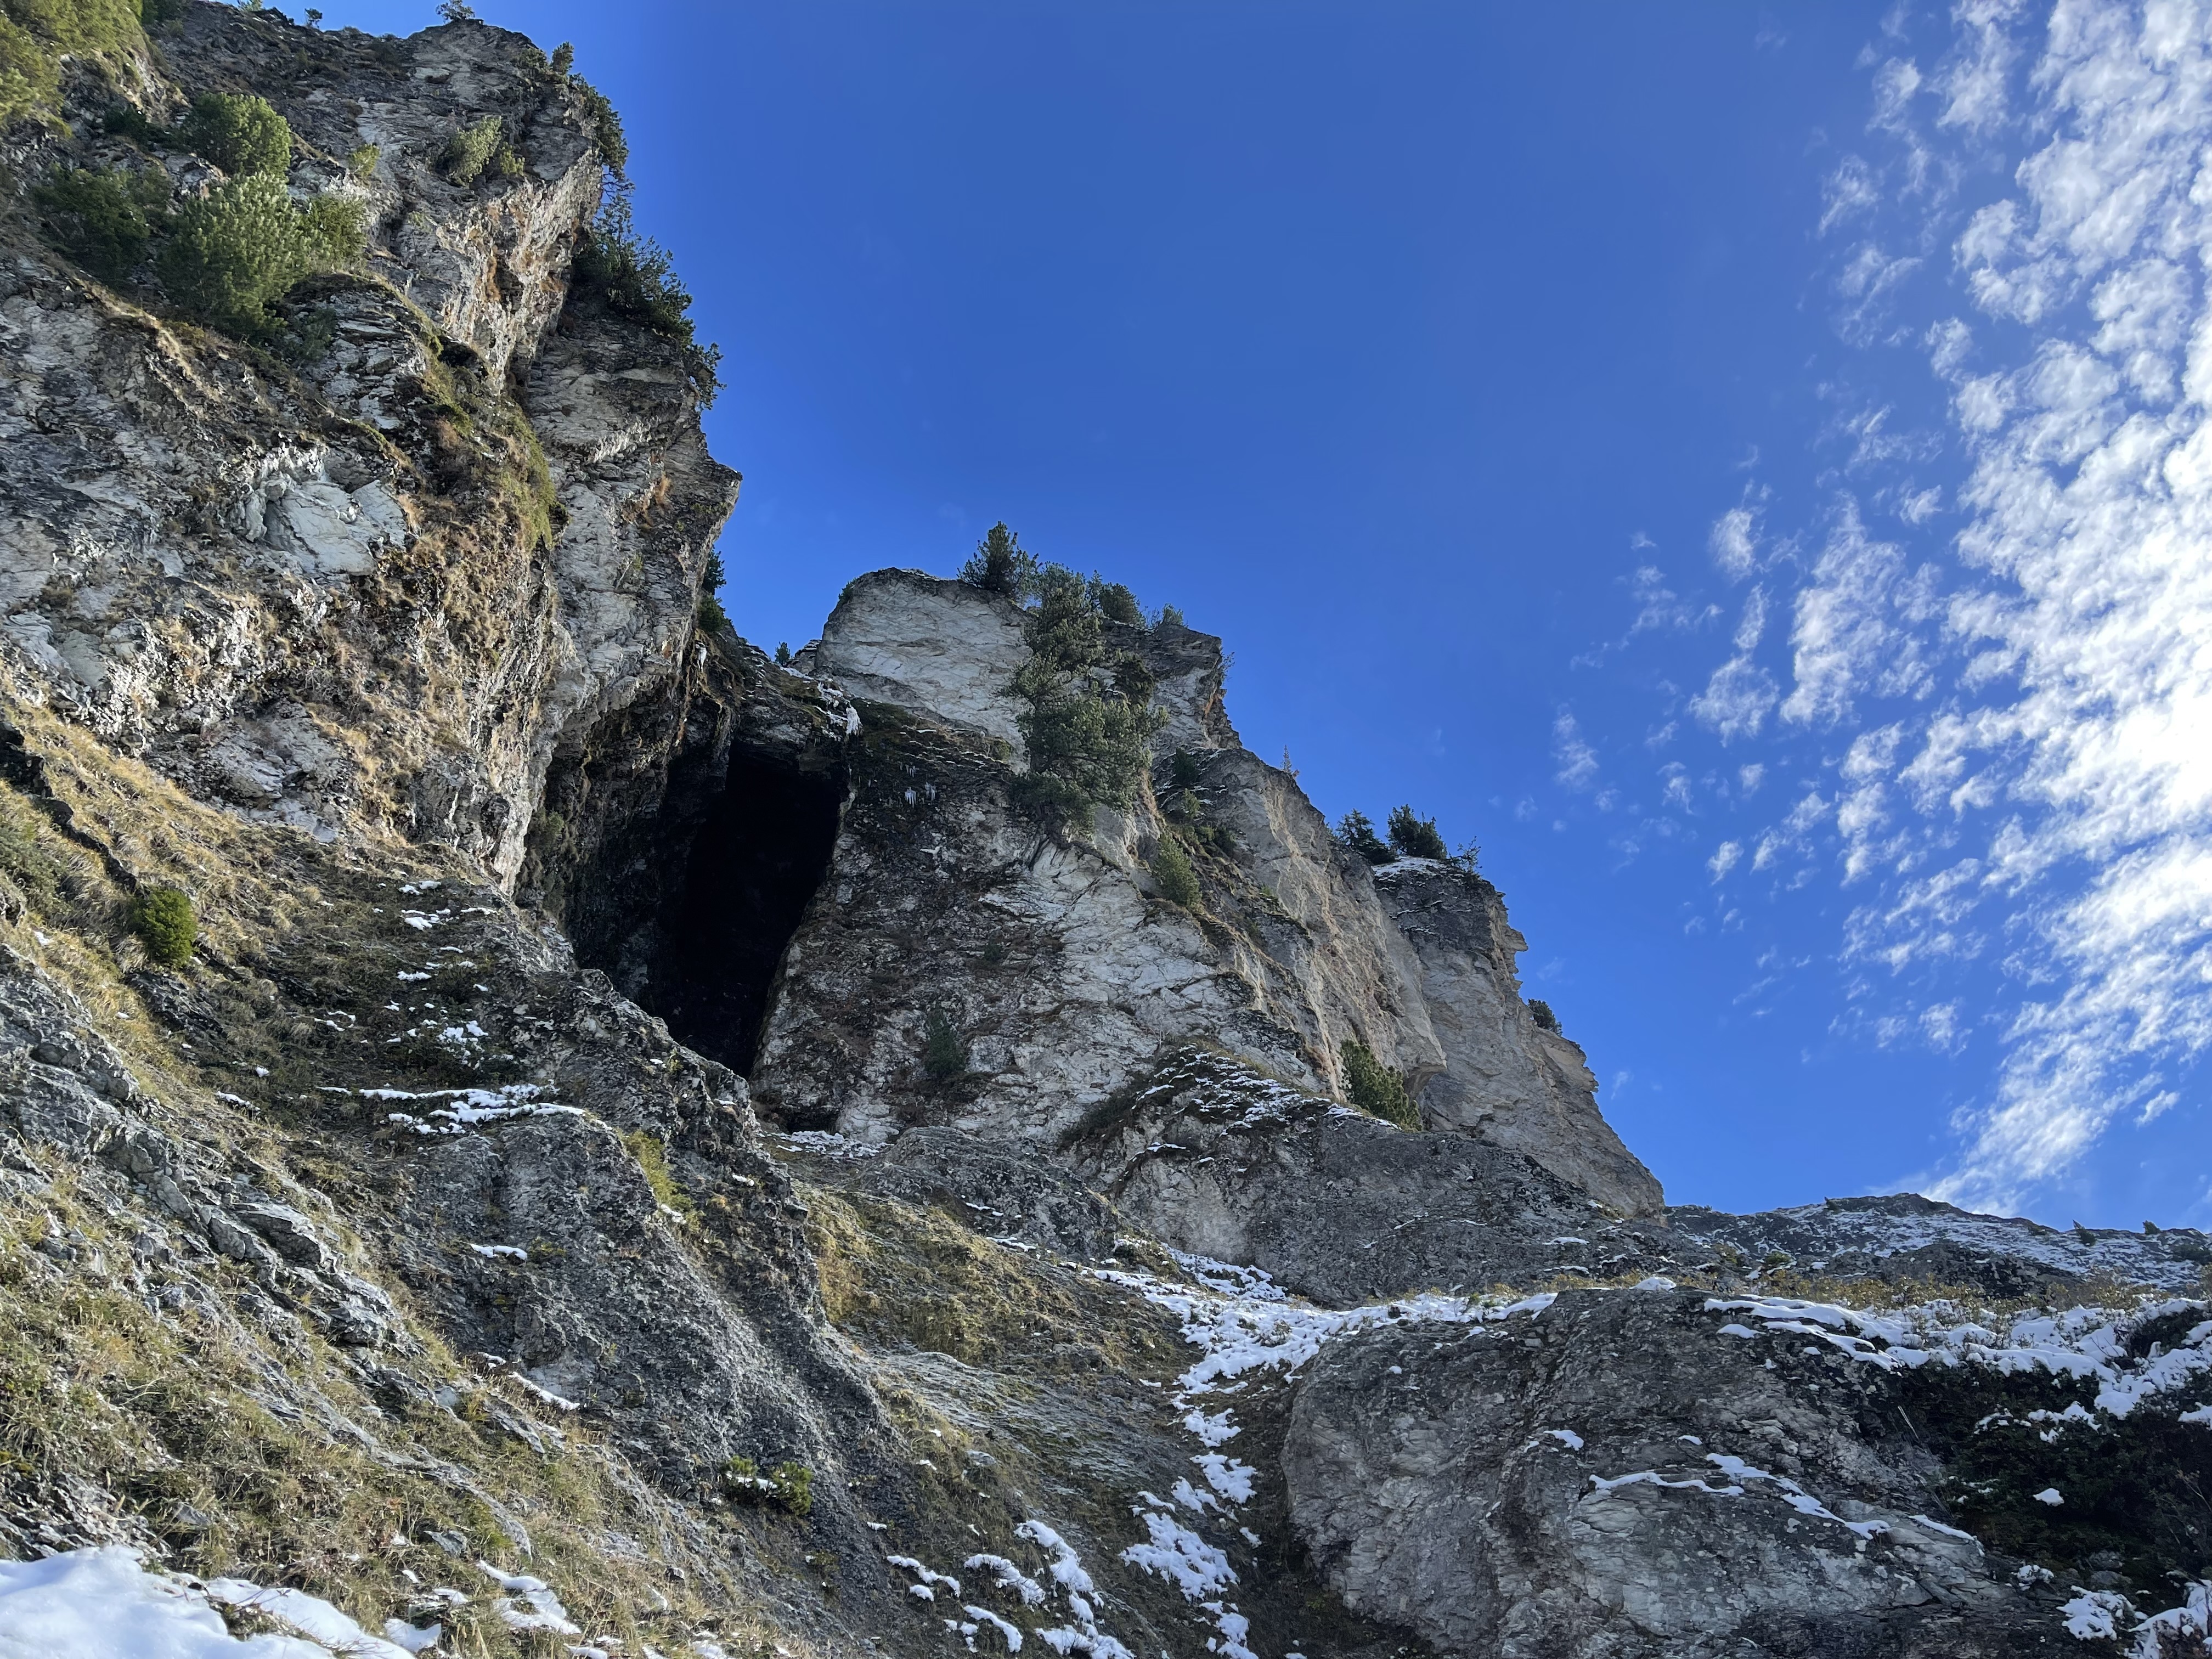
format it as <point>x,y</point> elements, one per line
<point>756,858</point>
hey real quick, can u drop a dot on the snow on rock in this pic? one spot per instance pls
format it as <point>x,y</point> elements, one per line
<point>1082,1633</point>
<point>539,1609</point>
<point>2094,1615</point>
<point>104,1604</point>
<point>1173,1552</point>
<point>469,1108</point>
<point>2087,1343</point>
<point>1007,1633</point>
<point>1006,1576</point>
<point>926,1589</point>
<point>1851,1235</point>
<point>1232,1478</point>
<point>1241,1321</point>
<point>1066,1568</point>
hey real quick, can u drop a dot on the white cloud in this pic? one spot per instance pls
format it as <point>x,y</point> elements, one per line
<point>1867,280</point>
<point>1734,542</point>
<point>1852,635</point>
<point>1916,506</point>
<point>1850,190</point>
<point>1939,1025</point>
<point>1737,700</point>
<point>2025,773</point>
<point>1577,760</point>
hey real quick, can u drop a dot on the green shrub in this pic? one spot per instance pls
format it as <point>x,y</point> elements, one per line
<point>1170,616</point>
<point>82,28</point>
<point>129,121</point>
<point>1134,681</point>
<point>35,35</point>
<point>1416,837</point>
<point>29,79</point>
<point>241,133</point>
<point>333,233</point>
<point>100,218</point>
<point>1356,831</point>
<point>783,654</point>
<point>1117,603</point>
<point>999,565</point>
<point>793,1487</point>
<point>25,857</point>
<point>633,276</point>
<point>1086,747</point>
<point>652,1163</point>
<point>944,1056</point>
<point>469,151</point>
<point>163,919</point>
<point>606,128</point>
<point>711,614</point>
<point>245,245</point>
<point>361,162</point>
<point>1375,1088</point>
<point>1173,875</point>
<point>563,59</point>
<point>1093,746</point>
<point>1540,1012</point>
<point>1183,769</point>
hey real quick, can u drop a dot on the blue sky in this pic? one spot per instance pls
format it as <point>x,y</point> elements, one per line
<point>1736,463</point>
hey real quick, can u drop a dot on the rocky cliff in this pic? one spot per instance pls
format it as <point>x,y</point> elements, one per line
<point>637,1148</point>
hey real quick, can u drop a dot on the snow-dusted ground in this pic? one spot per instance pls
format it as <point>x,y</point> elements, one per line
<point>2090,1344</point>
<point>104,1604</point>
<point>1241,1321</point>
<point>1848,1234</point>
<point>108,1604</point>
<point>2083,1342</point>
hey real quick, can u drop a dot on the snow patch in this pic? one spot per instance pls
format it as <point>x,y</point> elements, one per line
<point>103,1604</point>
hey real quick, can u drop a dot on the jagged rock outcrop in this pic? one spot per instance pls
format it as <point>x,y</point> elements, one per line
<point>340,598</point>
<point>1634,1475</point>
<point>1507,1078</point>
<point>1902,1237</point>
<point>1063,972</point>
<point>1214,1159</point>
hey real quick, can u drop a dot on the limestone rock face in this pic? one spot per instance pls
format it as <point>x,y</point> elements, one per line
<point>350,624</point>
<point>1062,971</point>
<point>1506,1077</point>
<point>487,261</point>
<point>1615,1476</point>
<point>1215,1159</point>
<point>943,650</point>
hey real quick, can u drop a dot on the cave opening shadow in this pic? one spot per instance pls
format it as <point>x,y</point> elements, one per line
<point>754,863</point>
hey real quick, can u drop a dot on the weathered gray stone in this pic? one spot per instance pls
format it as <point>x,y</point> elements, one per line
<point>1003,1191</point>
<point>1506,1077</point>
<point>1613,1476</point>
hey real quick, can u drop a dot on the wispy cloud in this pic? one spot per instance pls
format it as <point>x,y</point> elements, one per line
<point>2018,722</point>
<point>1576,759</point>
